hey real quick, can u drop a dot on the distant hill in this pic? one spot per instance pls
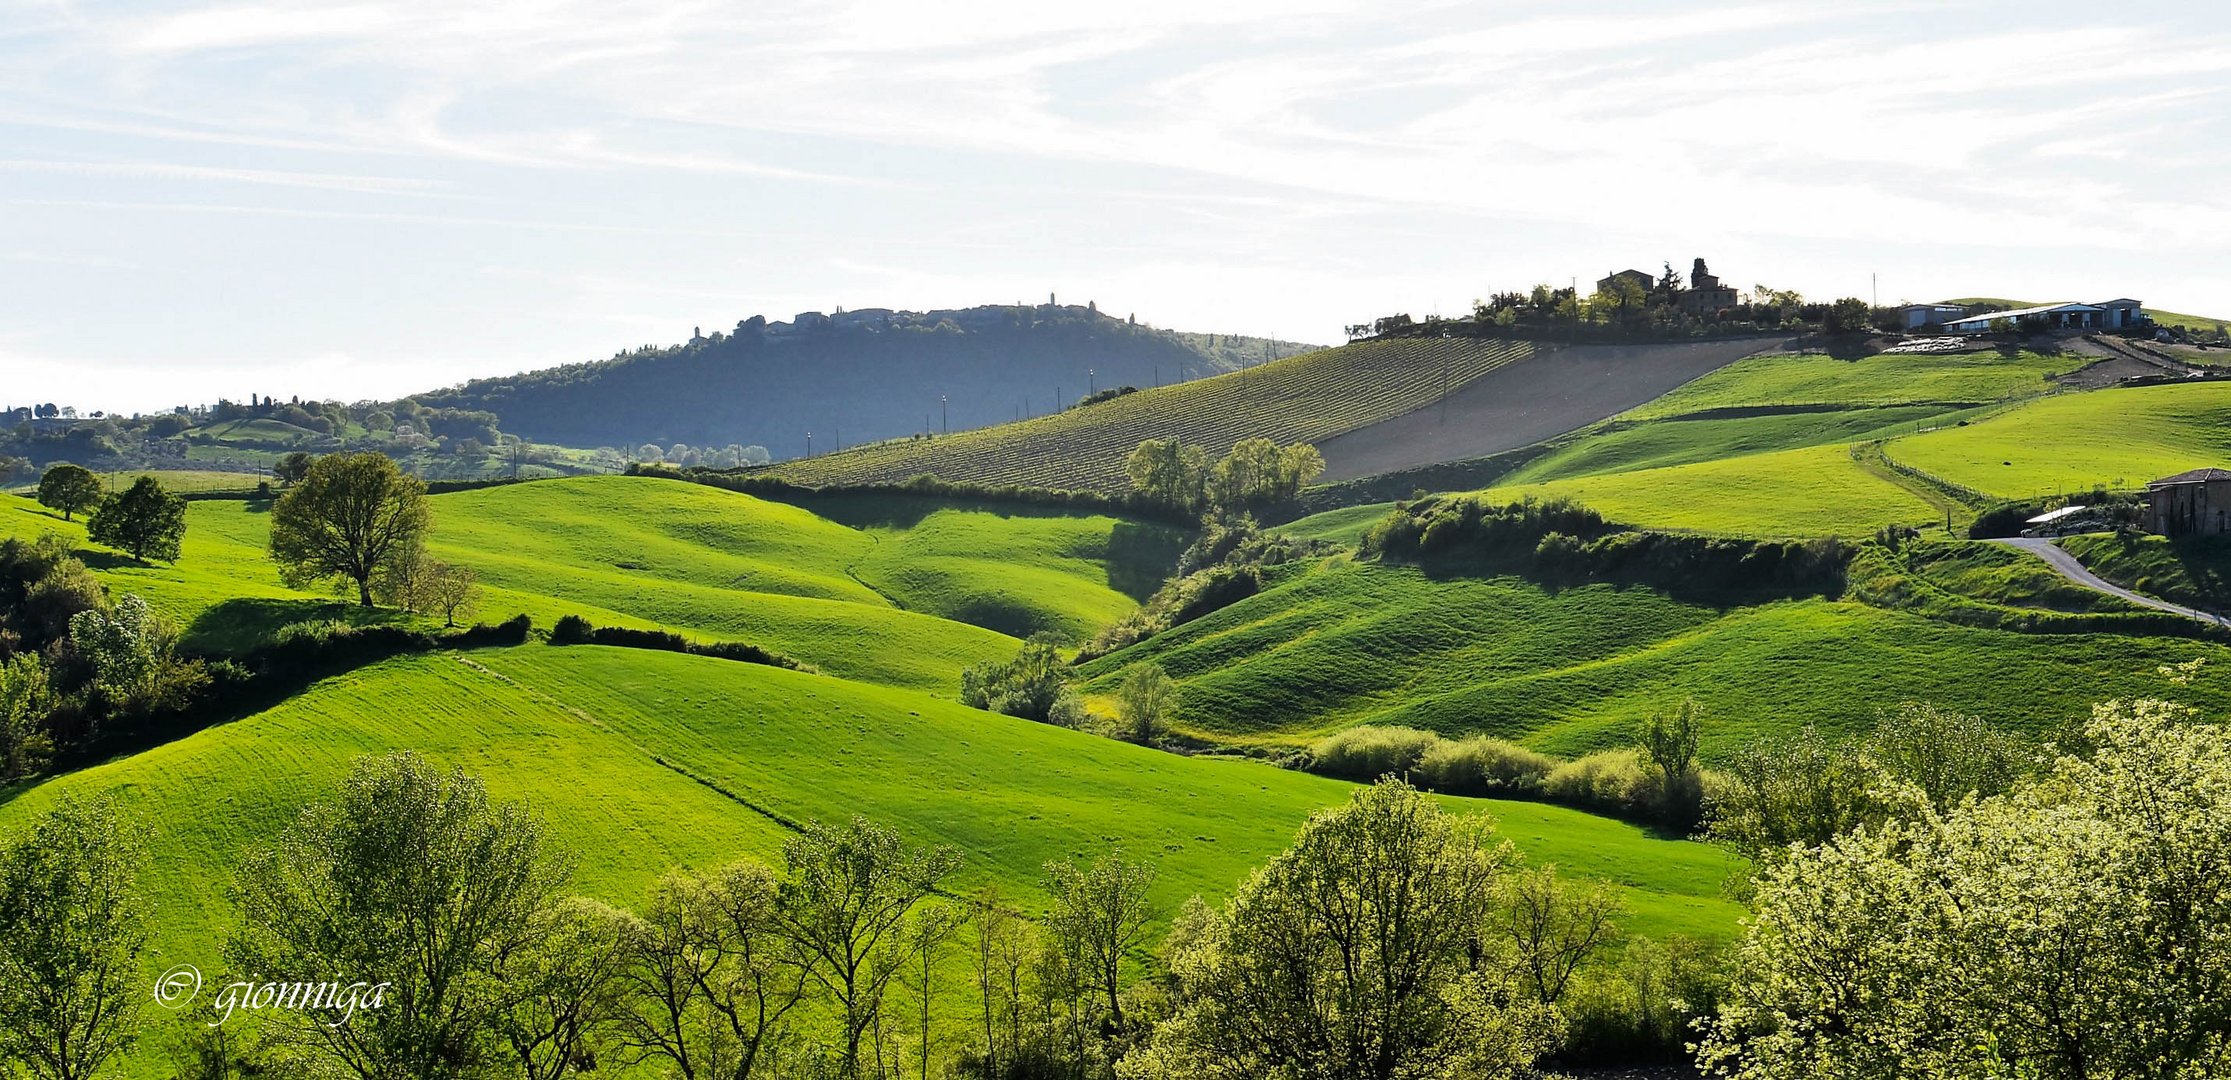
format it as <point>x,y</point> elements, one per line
<point>854,377</point>
<point>1305,398</point>
<point>1370,408</point>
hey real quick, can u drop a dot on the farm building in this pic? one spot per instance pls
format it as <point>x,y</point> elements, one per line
<point>1705,295</point>
<point>1610,281</point>
<point>1916,316</point>
<point>2105,315</point>
<point>2193,503</point>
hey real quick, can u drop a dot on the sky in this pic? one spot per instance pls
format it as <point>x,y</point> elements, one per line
<point>363,199</point>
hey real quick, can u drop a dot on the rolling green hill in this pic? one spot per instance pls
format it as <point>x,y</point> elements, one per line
<point>1578,669</point>
<point>1815,380</point>
<point>1814,491</point>
<point>645,761</point>
<point>2118,438</point>
<point>1301,399</point>
<point>644,552</point>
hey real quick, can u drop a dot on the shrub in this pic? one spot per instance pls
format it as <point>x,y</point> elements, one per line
<point>1610,781</point>
<point>571,630</point>
<point>1483,766</point>
<point>1034,686</point>
<point>1368,753</point>
<point>575,630</point>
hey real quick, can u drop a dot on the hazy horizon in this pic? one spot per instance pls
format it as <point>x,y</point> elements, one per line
<point>371,199</point>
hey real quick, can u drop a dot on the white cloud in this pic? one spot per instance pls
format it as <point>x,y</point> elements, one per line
<point>1322,159</point>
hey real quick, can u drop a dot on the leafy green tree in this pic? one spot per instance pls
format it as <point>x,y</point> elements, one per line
<point>132,652</point>
<point>927,931</point>
<point>69,488</point>
<point>710,976</point>
<point>2078,926</point>
<point>1034,685</point>
<point>1944,755</point>
<point>1849,315</point>
<point>290,470</point>
<point>349,518</point>
<point>1144,702</point>
<point>72,928</point>
<point>843,902</point>
<point>1359,954</point>
<point>1796,790</point>
<point>144,521</point>
<point>1169,471</point>
<point>450,591</point>
<point>1670,741</point>
<point>1100,914</point>
<point>565,987</point>
<point>412,878</point>
<point>1258,472</point>
<point>25,700</point>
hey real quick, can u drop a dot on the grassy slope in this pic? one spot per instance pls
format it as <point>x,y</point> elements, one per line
<point>2193,571</point>
<point>1576,670</point>
<point>1806,492</point>
<point>2121,438</point>
<point>644,552</point>
<point>1815,379</point>
<point>598,741</point>
<point>1627,447</point>
<point>1018,570</point>
<point>1299,399</point>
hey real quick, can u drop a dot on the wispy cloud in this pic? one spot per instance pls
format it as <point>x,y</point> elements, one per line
<point>160,170</point>
<point>674,152</point>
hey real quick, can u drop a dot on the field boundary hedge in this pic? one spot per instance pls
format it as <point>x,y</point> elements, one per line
<point>248,682</point>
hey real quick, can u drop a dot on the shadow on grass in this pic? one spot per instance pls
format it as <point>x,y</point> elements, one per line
<point>240,624</point>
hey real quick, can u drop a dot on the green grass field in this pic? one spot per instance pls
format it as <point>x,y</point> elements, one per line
<point>1627,446</point>
<point>622,751</point>
<point>2119,438</point>
<point>2193,571</point>
<point>1814,491</point>
<point>645,552</point>
<point>1299,399</point>
<point>1899,379</point>
<point>1576,670</point>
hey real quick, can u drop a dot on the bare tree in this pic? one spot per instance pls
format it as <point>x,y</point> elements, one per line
<point>710,974</point>
<point>1555,925</point>
<point>843,903</point>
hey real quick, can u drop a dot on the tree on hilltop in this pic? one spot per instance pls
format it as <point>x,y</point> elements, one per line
<point>349,519</point>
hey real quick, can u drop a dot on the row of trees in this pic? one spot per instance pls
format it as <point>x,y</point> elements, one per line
<point>1628,310</point>
<point>1256,473</point>
<point>1443,959</point>
<point>144,520</point>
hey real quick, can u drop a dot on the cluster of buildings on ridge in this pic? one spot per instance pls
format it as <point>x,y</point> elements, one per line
<point>1706,295</point>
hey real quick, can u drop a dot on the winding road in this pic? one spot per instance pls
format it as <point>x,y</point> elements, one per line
<point>2073,570</point>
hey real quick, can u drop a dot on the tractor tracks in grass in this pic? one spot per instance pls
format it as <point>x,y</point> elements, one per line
<point>660,760</point>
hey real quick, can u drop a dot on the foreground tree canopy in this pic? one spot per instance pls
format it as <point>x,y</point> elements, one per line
<point>2077,927</point>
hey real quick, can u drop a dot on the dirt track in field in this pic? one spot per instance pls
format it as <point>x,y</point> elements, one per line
<point>1545,395</point>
